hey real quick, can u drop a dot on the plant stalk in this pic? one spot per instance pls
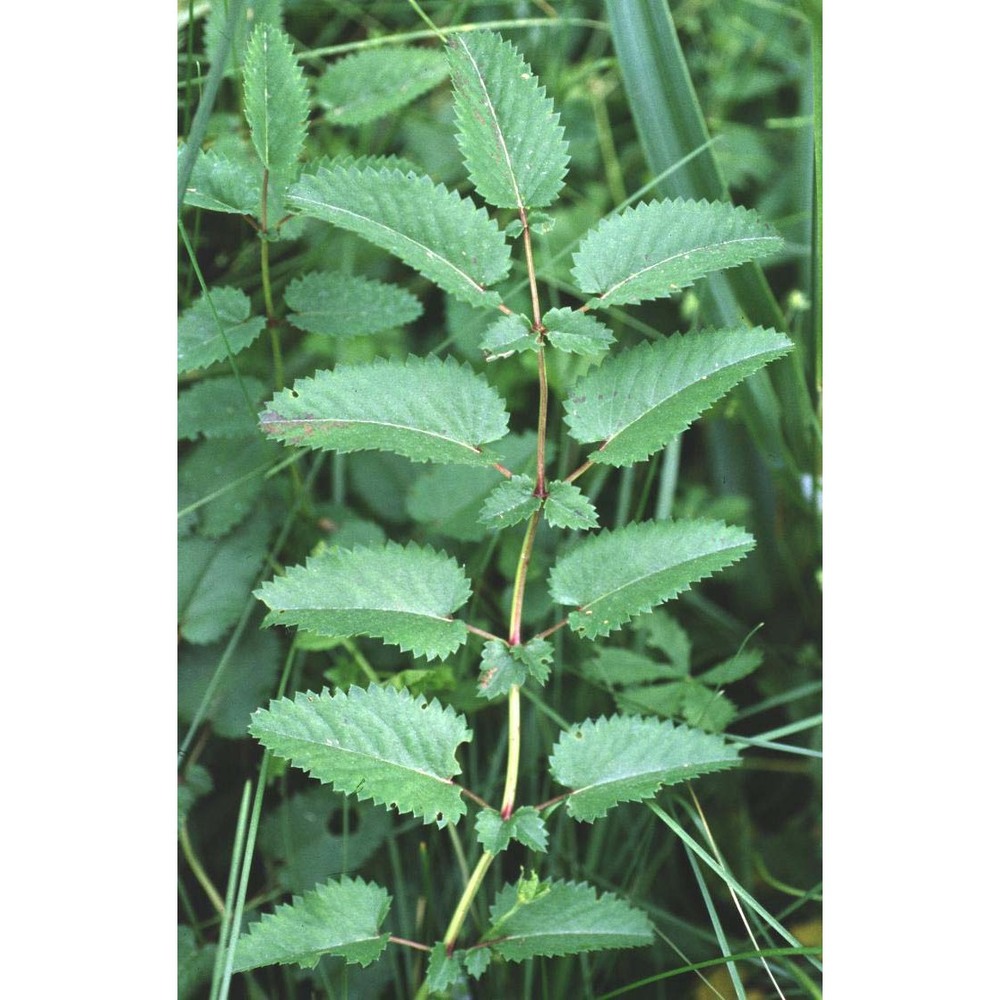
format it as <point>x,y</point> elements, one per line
<point>513,750</point>
<point>465,903</point>
<point>520,579</point>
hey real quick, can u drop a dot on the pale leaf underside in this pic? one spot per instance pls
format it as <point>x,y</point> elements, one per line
<point>564,918</point>
<point>627,759</point>
<point>404,596</point>
<point>379,744</point>
<point>640,399</point>
<point>425,409</point>
<point>337,918</point>
<point>446,238</point>
<point>512,140</point>
<point>612,577</point>
<point>658,248</point>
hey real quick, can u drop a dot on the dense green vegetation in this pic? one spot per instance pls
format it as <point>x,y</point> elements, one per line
<point>499,433</point>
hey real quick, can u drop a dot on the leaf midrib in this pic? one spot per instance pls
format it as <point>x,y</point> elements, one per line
<point>366,755</point>
<point>664,569</point>
<point>722,244</point>
<point>677,392</point>
<point>496,127</point>
<point>303,200</point>
<point>337,421</point>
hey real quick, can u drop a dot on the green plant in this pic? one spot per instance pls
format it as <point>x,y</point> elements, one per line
<point>392,737</point>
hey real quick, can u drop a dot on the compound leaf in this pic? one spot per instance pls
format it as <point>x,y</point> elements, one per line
<point>659,247</point>
<point>567,507</point>
<point>687,700</point>
<point>443,236</point>
<point>614,667</point>
<point>476,961</point>
<point>381,743</point>
<point>443,969</point>
<point>404,596</point>
<point>640,399</point>
<point>507,335</point>
<point>202,339</point>
<point>512,501</point>
<point>344,305</point>
<point>365,86</point>
<point>627,759</point>
<point>738,666</point>
<point>336,918</point>
<point>524,826</point>
<point>618,574</point>
<point>576,332</point>
<point>562,918</point>
<point>512,141</point>
<point>275,98</point>
<point>504,665</point>
<point>425,409</point>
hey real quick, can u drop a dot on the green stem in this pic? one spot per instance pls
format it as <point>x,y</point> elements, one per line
<point>513,750</point>
<point>465,903</point>
<point>199,873</point>
<point>520,579</point>
<point>543,416</point>
<point>265,281</point>
<point>529,262</point>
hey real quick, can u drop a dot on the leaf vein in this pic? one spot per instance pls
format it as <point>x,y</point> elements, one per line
<point>301,199</point>
<point>687,252</point>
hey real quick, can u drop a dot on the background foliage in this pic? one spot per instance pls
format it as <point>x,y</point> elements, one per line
<point>739,654</point>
